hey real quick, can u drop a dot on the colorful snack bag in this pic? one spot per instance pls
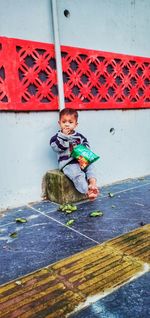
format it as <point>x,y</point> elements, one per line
<point>84,156</point>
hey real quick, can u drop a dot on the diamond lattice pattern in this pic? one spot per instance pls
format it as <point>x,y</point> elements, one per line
<point>105,80</point>
<point>92,79</point>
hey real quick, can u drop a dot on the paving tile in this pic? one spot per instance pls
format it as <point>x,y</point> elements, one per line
<point>42,240</point>
<point>122,213</point>
<point>38,243</point>
<point>131,300</point>
<point>74,282</point>
<point>133,204</point>
<point>9,216</point>
<point>125,185</point>
<point>44,206</point>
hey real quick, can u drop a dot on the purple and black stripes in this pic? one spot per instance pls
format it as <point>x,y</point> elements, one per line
<point>63,145</point>
<point>55,140</point>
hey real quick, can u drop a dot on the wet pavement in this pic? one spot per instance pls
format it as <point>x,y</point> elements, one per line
<point>45,239</point>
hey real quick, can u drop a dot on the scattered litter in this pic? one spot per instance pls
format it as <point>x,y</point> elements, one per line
<point>31,217</point>
<point>68,208</point>
<point>18,282</point>
<point>96,213</point>
<point>113,206</point>
<point>13,234</point>
<point>111,195</point>
<point>142,223</point>
<point>139,204</point>
<point>70,222</point>
<point>21,220</point>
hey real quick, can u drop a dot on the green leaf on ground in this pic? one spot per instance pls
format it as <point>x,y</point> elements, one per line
<point>68,211</point>
<point>13,234</point>
<point>111,195</point>
<point>96,213</point>
<point>21,220</point>
<point>73,207</point>
<point>70,222</point>
<point>68,208</point>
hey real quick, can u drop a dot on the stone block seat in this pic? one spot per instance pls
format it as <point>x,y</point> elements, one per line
<point>59,189</point>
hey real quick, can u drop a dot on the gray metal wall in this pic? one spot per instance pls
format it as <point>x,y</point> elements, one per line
<point>110,25</point>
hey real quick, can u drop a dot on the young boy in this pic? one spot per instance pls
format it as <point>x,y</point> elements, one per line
<point>63,143</point>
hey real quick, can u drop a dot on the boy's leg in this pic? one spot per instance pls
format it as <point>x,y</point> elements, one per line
<point>77,176</point>
<point>92,182</point>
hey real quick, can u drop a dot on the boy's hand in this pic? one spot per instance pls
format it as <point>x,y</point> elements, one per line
<point>66,131</point>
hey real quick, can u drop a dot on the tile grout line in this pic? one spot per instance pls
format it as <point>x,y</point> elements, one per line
<point>72,229</point>
<point>105,196</point>
<point>140,186</point>
<point>90,300</point>
<point>3,225</point>
<point>101,196</point>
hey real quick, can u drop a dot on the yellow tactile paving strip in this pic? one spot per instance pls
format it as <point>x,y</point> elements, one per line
<point>55,291</point>
<point>135,244</point>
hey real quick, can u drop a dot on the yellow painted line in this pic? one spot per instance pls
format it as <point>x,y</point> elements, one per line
<point>97,258</point>
<point>70,284</point>
<point>93,270</point>
<point>74,258</point>
<point>27,285</point>
<point>135,244</point>
<point>65,301</point>
<point>30,298</point>
<point>6,288</point>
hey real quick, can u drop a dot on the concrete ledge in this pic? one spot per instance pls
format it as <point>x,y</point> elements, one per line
<point>60,189</point>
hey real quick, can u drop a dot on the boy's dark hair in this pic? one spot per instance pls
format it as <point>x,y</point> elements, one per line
<point>68,111</point>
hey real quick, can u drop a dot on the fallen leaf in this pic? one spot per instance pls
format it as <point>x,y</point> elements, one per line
<point>70,222</point>
<point>111,195</point>
<point>73,207</point>
<point>68,208</point>
<point>13,234</point>
<point>21,220</point>
<point>96,213</point>
<point>68,211</point>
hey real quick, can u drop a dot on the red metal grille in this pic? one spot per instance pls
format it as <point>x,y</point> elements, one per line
<point>3,86</point>
<point>101,80</point>
<point>28,78</point>
<point>92,79</point>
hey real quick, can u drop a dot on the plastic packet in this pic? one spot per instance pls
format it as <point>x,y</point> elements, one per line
<point>84,156</point>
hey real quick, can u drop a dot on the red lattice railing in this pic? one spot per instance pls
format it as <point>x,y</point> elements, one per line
<point>101,80</point>
<point>92,79</point>
<point>28,78</point>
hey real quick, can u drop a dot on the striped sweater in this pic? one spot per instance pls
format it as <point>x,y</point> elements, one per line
<point>63,145</point>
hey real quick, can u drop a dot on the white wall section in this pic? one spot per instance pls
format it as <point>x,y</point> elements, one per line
<point>111,25</point>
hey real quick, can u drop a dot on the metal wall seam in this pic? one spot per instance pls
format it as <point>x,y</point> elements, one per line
<point>58,54</point>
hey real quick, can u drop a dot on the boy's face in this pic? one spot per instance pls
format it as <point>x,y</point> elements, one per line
<point>68,123</point>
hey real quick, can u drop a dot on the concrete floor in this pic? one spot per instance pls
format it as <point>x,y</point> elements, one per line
<point>45,239</point>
